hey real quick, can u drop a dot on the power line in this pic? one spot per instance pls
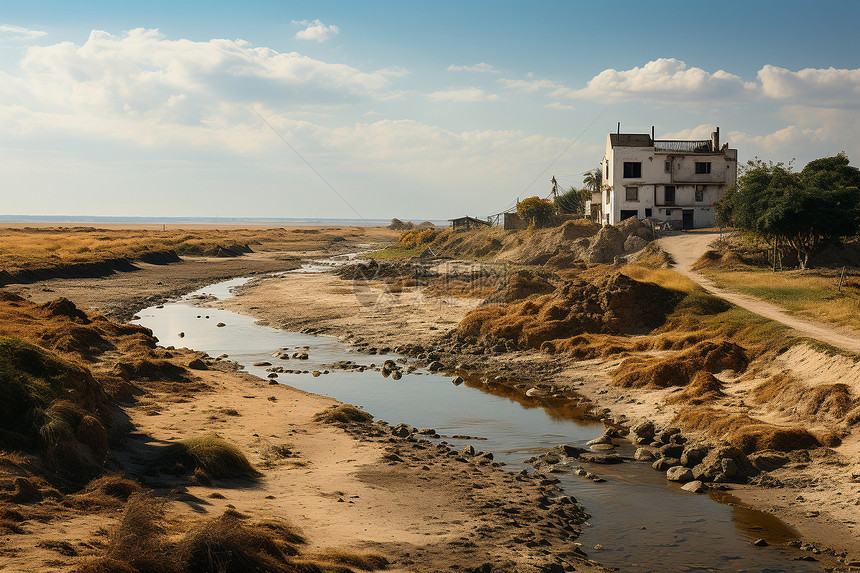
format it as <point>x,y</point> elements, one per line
<point>342,198</point>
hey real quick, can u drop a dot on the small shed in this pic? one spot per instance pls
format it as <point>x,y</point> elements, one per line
<point>468,223</point>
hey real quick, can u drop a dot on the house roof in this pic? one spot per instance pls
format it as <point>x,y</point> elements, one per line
<point>630,140</point>
<point>473,219</point>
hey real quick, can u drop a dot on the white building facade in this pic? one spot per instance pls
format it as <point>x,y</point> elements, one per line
<point>676,181</point>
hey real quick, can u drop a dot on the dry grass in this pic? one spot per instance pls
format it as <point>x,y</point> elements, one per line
<point>229,543</point>
<point>344,414</point>
<point>37,248</point>
<point>746,433</point>
<point>812,294</point>
<point>823,403</point>
<point>212,454</point>
<point>704,388</point>
<point>666,278</point>
<point>681,368</point>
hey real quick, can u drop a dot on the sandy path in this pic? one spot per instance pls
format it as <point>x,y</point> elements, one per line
<point>686,249</point>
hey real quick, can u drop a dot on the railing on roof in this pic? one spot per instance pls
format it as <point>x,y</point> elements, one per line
<point>683,146</point>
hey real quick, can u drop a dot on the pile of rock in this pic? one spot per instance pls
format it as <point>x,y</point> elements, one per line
<point>696,464</point>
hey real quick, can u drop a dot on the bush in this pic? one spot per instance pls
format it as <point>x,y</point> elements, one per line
<point>212,454</point>
<point>344,414</point>
<point>416,238</point>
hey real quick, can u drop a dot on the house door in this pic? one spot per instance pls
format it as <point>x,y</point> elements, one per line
<point>687,219</point>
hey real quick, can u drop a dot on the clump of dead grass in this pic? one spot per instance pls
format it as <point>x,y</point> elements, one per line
<point>704,388</point>
<point>212,454</point>
<point>344,414</point>
<point>746,433</point>
<point>680,369</point>
<point>229,543</point>
<point>822,403</point>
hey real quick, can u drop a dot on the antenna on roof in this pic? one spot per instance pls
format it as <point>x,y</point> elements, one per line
<point>619,127</point>
<point>652,133</point>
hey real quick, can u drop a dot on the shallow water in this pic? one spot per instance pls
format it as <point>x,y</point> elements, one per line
<point>642,522</point>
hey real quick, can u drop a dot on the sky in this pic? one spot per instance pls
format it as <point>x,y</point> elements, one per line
<point>417,110</point>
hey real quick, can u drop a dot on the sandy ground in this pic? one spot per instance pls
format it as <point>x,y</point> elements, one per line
<point>423,506</point>
<point>819,497</point>
<point>686,248</point>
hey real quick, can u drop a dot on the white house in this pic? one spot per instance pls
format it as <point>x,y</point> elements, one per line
<point>676,181</point>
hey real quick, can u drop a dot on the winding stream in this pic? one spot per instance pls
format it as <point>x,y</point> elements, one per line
<point>642,522</point>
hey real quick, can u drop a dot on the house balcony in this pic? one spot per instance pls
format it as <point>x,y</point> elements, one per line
<point>683,146</point>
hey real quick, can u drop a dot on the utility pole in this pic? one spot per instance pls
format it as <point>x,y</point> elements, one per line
<point>554,187</point>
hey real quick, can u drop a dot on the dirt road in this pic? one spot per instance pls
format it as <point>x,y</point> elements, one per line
<point>686,248</point>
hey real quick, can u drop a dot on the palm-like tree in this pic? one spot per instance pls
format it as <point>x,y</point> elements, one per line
<point>593,180</point>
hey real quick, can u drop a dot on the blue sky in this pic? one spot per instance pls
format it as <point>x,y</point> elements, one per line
<point>420,110</point>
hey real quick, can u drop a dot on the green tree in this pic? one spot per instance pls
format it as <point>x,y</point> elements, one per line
<point>538,212</point>
<point>573,200</point>
<point>593,180</point>
<point>802,211</point>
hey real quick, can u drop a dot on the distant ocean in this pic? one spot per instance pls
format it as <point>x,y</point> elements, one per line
<point>256,221</point>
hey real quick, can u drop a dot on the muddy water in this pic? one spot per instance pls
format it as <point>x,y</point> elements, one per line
<point>640,522</point>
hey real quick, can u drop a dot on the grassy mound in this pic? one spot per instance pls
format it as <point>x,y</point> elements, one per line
<point>211,454</point>
<point>229,543</point>
<point>746,433</point>
<point>704,388</point>
<point>824,403</point>
<point>344,414</point>
<point>50,405</point>
<point>608,304</point>
<point>680,369</point>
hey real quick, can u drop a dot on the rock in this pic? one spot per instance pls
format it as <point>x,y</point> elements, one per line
<point>665,435</point>
<point>664,464</point>
<point>220,325</point>
<point>402,430</point>
<point>693,455</point>
<point>603,447</point>
<point>469,450</point>
<point>486,455</point>
<point>679,473</point>
<point>197,364</point>
<point>571,451</point>
<point>643,455</point>
<point>712,467</point>
<point>262,363</point>
<point>396,375</point>
<point>760,543</point>
<point>730,468</point>
<point>644,430</point>
<point>695,486</point>
<point>316,373</point>
<point>457,381</point>
<point>768,460</point>
<point>434,366</point>
<point>671,451</point>
<point>601,458</point>
<point>532,392</point>
<point>604,439</point>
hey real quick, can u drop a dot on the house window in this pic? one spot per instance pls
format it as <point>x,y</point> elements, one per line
<point>669,194</point>
<point>647,213</point>
<point>668,166</point>
<point>700,193</point>
<point>632,193</point>
<point>703,167</point>
<point>632,169</point>
<point>668,212</point>
<point>626,214</point>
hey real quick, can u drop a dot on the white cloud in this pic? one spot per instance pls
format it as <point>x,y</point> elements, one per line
<point>482,67</point>
<point>665,79</point>
<point>462,95</point>
<point>315,30</point>
<point>530,84</point>
<point>814,86</point>
<point>19,33</point>
<point>143,77</point>
<point>557,105</point>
